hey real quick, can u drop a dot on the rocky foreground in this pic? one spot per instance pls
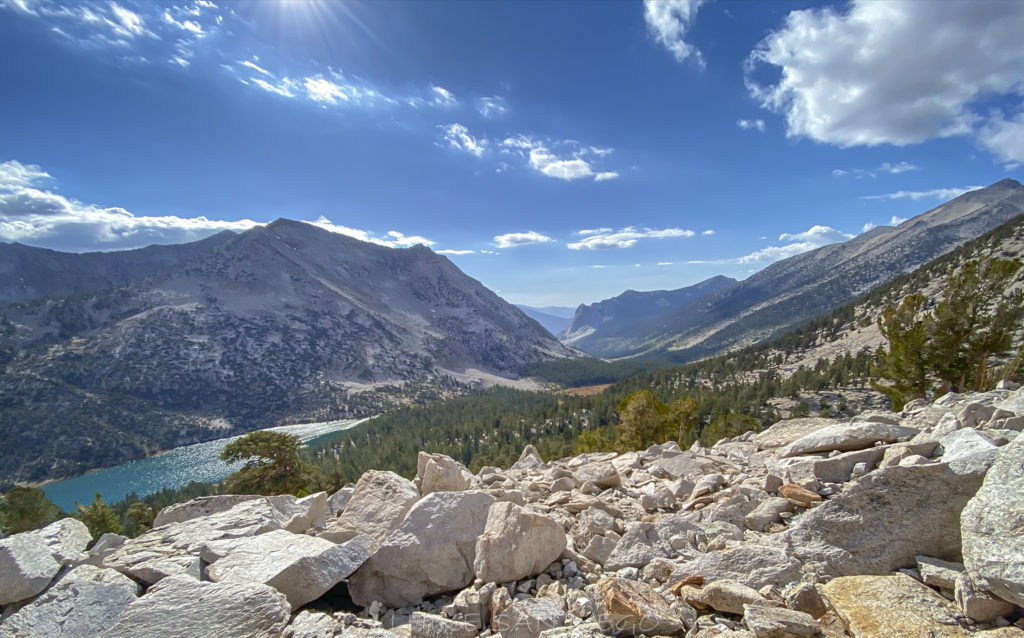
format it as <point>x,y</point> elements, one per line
<point>908,524</point>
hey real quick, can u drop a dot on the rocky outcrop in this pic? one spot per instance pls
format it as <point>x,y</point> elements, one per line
<point>726,540</point>
<point>378,505</point>
<point>433,551</point>
<point>992,524</point>
<point>182,607</point>
<point>83,604</point>
<point>301,567</point>
<point>516,544</point>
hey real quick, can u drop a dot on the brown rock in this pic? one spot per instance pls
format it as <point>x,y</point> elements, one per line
<point>897,605</point>
<point>801,496</point>
<point>632,608</point>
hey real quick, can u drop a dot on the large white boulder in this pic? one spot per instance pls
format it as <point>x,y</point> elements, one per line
<point>199,507</point>
<point>884,519</point>
<point>516,544</point>
<point>182,607</point>
<point>301,567</point>
<point>27,566</point>
<point>82,604</point>
<point>440,473</point>
<point>431,552</point>
<point>992,524</point>
<point>176,548</point>
<point>378,505</point>
<point>66,538</point>
<point>845,437</point>
<point>300,513</point>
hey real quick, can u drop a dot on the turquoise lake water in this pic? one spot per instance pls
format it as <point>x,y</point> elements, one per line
<point>174,468</point>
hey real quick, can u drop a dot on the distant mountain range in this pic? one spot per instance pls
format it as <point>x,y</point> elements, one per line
<point>792,290</point>
<point>110,356</point>
<point>608,328</point>
<point>555,319</point>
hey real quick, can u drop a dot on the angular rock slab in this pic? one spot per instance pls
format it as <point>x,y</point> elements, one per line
<point>431,552</point>
<point>773,622</point>
<point>883,520</point>
<point>529,617</point>
<point>175,548</point>
<point>26,567</point>
<point>431,626</point>
<point>82,604</point>
<point>440,473</point>
<point>301,567</point>
<point>752,565</point>
<point>309,624</point>
<point>845,437</point>
<point>885,606</point>
<point>66,538</point>
<point>378,505</point>
<point>300,513</point>
<point>182,607</point>
<point>516,544</point>
<point>992,525</point>
<point>199,507</point>
<point>630,607</point>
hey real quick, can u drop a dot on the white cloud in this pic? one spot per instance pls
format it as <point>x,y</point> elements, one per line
<point>817,234</point>
<point>896,221</point>
<point>664,263</point>
<point>894,72</point>
<point>255,67</point>
<point>186,25</point>
<point>319,89</point>
<point>708,232</point>
<point>45,218</point>
<point>449,251</point>
<point>775,253</point>
<point>284,88</point>
<point>458,137</point>
<point>886,167</point>
<point>598,266</point>
<point>491,106</point>
<point>868,226</point>
<point>936,193</point>
<point>443,97</point>
<point>668,21</point>
<point>593,231</point>
<point>625,238</point>
<point>572,164</point>
<point>127,23</point>
<point>751,124</point>
<point>510,240</point>
<point>1005,138</point>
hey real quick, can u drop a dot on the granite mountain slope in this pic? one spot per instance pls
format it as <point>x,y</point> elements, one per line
<point>282,322</point>
<point>795,289</point>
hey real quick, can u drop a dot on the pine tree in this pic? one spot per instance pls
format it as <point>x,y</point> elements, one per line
<point>272,464</point>
<point>99,517</point>
<point>26,508</point>
<point>906,362</point>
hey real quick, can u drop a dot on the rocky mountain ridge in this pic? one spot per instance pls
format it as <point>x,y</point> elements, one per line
<point>601,328</point>
<point>795,289</point>
<point>882,525</point>
<point>279,323</point>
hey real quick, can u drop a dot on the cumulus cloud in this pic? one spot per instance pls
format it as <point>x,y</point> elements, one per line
<point>708,232</point>
<point>593,231</point>
<point>746,125</point>
<point>668,21</point>
<point>817,234</point>
<point>511,240</point>
<point>1005,138</point>
<point>568,161</point>
<point>886,167</point>
<point>894,72</point>
<point>935,193</point>
<point>625,238</point>
<point>492,106</point>
<point>457,136</point>
<point>42,217</point>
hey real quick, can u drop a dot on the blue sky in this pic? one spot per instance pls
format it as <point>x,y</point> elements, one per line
<point>559,152</point>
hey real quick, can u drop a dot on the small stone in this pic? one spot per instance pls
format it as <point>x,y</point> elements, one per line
<point>729,596</point>
<point>977,604</point>
<point>529,617</point>
<point>801,496</point>
<point>774,622</point>
<point>937,572</point>
<point>806,598</point>
<point>431,626</point>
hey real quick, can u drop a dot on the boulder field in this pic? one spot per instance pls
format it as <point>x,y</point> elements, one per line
<point>887,524</point>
